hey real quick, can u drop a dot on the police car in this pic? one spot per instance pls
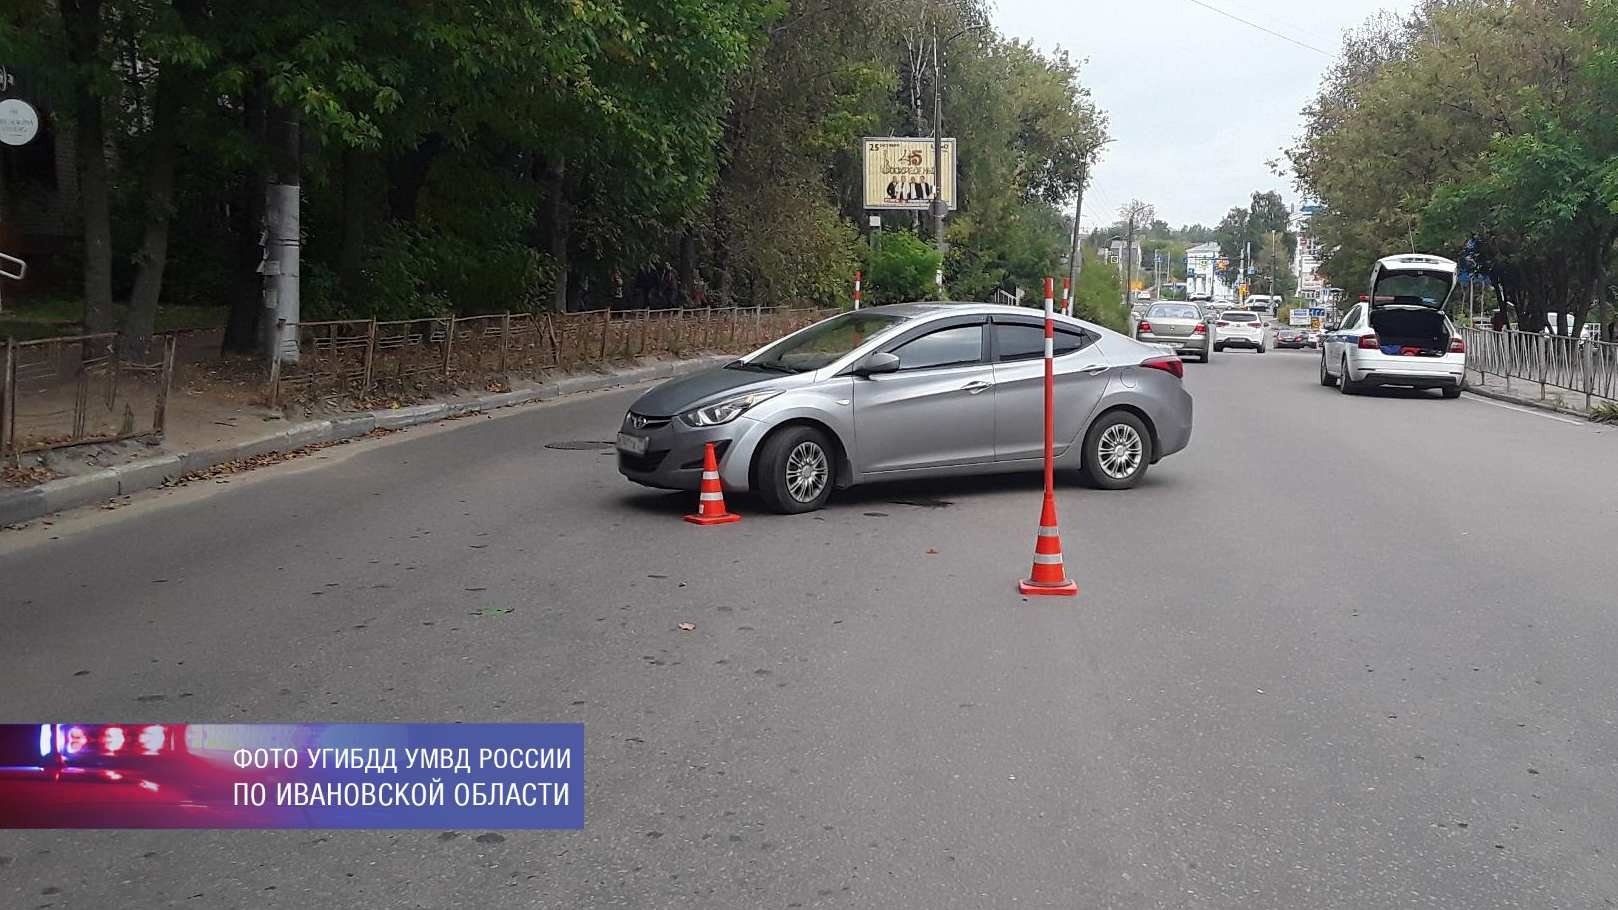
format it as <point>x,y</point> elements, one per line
<point>1398,335</point>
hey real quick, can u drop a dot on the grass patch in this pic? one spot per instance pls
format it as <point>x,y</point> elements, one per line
<point>1605,412</point>
<point>64,316</point>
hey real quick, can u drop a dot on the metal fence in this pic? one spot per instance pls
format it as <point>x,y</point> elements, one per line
<point>1556,362</point>
<point>77,389</point>
<point>362,357</point>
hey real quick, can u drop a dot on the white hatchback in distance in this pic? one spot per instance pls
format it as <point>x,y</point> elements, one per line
<point>1239,329</point>
<point>1398,335</point>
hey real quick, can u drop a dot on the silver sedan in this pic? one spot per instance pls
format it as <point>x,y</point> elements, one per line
<point>1181,326</point>
<point>906,391</point>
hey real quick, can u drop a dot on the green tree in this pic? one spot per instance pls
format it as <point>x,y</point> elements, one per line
<point>902,269</point>
<point>1099,294</point>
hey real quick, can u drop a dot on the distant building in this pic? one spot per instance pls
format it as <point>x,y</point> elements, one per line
<point>1116,253</point>
<point>1202,273</point>
<point>1306,260</point>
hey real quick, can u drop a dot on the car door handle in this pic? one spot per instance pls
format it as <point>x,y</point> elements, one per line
<point>975,387</point>
<point>1096,369</point>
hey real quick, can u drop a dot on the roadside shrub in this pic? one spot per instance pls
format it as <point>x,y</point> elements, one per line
<point>903,268</point>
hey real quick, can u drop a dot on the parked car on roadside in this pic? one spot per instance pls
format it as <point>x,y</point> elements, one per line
<point>911,390</point>
<point>1239,329</point>
<point>1287,337</point>
<point>1181,326</point>
<point>1398,335</point>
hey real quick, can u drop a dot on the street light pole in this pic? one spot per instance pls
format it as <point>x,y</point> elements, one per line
<point>940,208</point>
<point>938,205</point>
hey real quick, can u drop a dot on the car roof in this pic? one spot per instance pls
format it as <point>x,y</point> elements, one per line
<point>925,308</point>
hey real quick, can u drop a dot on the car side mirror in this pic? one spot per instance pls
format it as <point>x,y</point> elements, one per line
<point>878,362</point>
<point>1330,328</point>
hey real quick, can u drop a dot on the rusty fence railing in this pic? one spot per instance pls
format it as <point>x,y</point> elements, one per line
<point>360,357</point>
<point>78,389</point>
<point>1576,365</point>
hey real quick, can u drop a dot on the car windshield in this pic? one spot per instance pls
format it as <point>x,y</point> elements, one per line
<point>821,344</point>
<point>1420,288</point>
<point>1241,317</point>
<point>1173,311</point>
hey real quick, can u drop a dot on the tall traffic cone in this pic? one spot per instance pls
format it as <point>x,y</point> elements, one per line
<point>711,505</point>
<point>1049,575</point>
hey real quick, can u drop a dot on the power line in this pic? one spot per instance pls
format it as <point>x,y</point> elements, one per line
<point>1268,31</point>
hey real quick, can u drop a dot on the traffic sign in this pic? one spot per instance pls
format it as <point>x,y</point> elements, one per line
<point>19,122</point>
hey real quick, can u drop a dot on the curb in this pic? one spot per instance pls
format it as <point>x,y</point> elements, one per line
<point>1537,405</point>
<point>17,506</point>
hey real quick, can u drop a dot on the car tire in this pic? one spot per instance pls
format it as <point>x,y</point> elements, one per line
<point>1344,384</point>
<point>780,466</point>
<point>1451,391</point>
<point>1326,378</point>
<point>1219,349</point>
<point>1117,451</point>
<point>1261,347</point>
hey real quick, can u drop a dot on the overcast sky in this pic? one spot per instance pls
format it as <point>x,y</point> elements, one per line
<point>1148,63</point>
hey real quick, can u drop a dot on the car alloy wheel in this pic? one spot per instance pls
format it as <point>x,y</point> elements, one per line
<point>792,471</point>
<point>807,471</point>
<point>1120,451</point>
<point>1326,378</point>
<point>1117,450</point>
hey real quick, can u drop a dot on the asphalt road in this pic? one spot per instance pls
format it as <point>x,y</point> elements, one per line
<point>1342,652</point>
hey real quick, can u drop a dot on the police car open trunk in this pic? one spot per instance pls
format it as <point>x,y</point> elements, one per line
<point>1411,329</point>
<point>1408,294</point>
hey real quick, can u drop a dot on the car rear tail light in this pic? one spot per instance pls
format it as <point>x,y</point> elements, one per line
<point>1222,323</point>
<point>1457,346</point>
<point>1144,326</point>
<point>1256,325</point>
<point>1370,343</point>
<point>1168,364</point>
<point>1200,329</point>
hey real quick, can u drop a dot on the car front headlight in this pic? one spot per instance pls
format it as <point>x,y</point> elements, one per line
<point>725,411</point>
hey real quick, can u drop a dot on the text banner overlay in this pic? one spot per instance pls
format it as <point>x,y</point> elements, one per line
<point>143,775</point>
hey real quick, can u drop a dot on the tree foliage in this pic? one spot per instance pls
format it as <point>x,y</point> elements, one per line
<point>477,155</point>
<point>1485,130</point>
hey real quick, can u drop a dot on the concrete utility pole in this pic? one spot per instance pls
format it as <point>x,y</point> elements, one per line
<point>1075,258</point>
<point>1129,262</point>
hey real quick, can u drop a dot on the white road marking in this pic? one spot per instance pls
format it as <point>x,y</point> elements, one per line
<point>1530,411</point>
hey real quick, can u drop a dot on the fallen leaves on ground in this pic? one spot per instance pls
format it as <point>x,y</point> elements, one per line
<point>18,476</point>
<point>687,627</point>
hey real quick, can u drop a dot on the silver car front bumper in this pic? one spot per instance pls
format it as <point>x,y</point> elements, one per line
<point>672,459</point>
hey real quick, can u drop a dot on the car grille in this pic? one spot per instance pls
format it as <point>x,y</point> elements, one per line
<point>641,464</point>
<point>642,422</point>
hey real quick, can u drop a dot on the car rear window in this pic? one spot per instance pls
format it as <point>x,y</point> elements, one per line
<point>1241,317</point>
<point>1173,311</point>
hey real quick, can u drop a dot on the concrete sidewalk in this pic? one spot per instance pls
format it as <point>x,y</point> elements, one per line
<point>29,503</point>
<point>1529,394</point>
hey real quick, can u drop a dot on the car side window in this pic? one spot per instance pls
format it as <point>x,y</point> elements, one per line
<point>1020,341</point>
<point>962,344</point>
<point>1353,320</point>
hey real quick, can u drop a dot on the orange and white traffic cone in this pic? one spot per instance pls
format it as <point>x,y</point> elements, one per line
<point>711,505</point>
<point>1049,575</point>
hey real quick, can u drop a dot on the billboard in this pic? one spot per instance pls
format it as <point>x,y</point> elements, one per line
<point>899,173</point>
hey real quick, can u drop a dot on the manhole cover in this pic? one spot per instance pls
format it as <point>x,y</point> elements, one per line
<point>576,445</point>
